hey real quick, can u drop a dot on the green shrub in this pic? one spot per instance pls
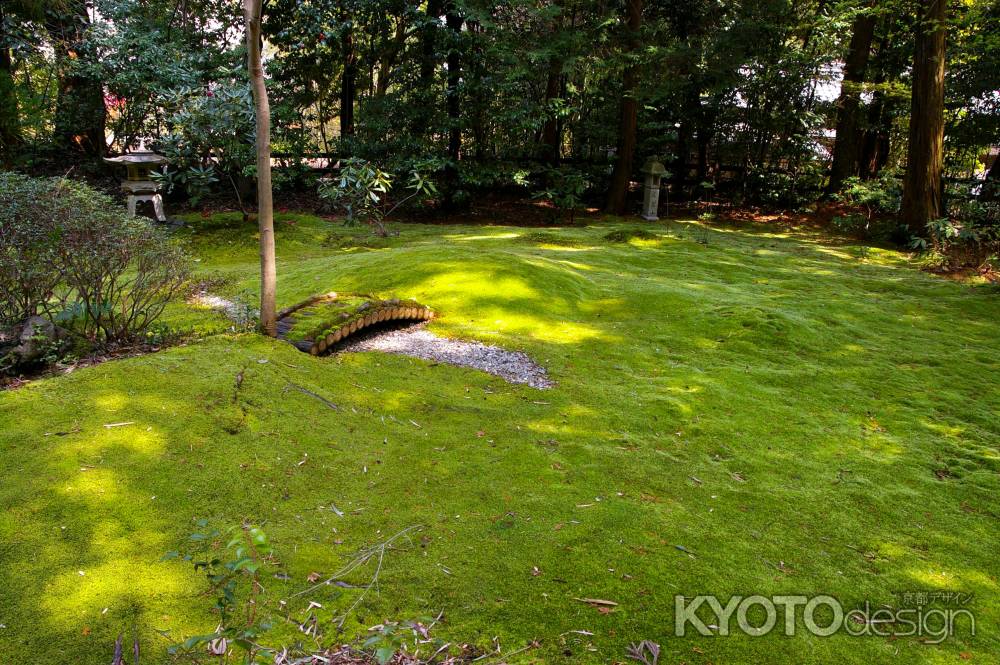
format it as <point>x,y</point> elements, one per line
<point>969,236</point>
<point>28,271</point>
<point>211,138</point>
<point>362,190</point>
<point>876,201</point>
<point>565,188</point>
<point>71,254</point>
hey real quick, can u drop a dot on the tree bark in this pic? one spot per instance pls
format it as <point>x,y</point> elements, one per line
<point>991,185</point>
<point>454,21</point>
<point>265,205</point>
<point>80,113</point>
<point>875,151</point>
<point>925,155</point>
<point>622,175</point>
<point>10,125</point>
<point>453,104</point>
<point>847,144</point>
<point>550,142</point>
<point>348,83</point>
<point>428,44</point>
<point>390,56</point>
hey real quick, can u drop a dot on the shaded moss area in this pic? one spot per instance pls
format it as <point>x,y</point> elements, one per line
<point>322,321</point>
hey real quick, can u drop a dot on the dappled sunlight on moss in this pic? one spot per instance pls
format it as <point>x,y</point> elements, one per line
<point>121,585</point>
<point>93,485</point>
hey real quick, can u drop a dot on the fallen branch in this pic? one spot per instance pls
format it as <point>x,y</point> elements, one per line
<point>365,555</point>
<point>306,391</point>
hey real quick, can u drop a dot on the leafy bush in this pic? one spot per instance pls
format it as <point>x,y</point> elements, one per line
<point>785,189</point>
<point>969,235</point>
<point>71,254</point>
<point>877,202</point>
<point>211,137</point>
<point>234,575</point>
<point>565,188</point>
<point>27,257</point>
<point>361,189</point>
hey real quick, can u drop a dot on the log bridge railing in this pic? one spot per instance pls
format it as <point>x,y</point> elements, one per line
<point>316,325</point>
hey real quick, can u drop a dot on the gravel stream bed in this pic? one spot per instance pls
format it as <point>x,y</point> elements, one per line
<point>417,341</point>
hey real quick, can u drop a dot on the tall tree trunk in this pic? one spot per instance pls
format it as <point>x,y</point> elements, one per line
<point>348,82</point>
<point>622,174</point>
<point>390,56</point>
<point>265,205</point>
<point>925,156</point>
<point>428,43</point>
<point>991,186</point>
<point>80,113</point>
<point>424,111</point>
<point>550,142</point>
<point>847,145</point>
<point>875,151</point>
<point>878,126</point>
<point>10,125</point>
<point>454,21</point>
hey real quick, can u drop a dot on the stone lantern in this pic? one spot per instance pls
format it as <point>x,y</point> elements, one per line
<point>139,185</point>
<point>654,171</point>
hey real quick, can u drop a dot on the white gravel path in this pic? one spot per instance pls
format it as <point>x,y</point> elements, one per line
<point>417,341</point>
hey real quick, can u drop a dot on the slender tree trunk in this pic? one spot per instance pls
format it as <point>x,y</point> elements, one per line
<point>925,156</point>
<point>991,186</point>
<point>10,125</point>
<point>425,112</point>
<point>80,113</point>
<point>622,174</point>
<point>454,21</point>
<point>550,142</point>
<point>847,145</point>
<point>265,205</point>
<point>428,44</point>
<point>875,151</point>
<point>389,58</point>
<point>348,83</point>
<point>10,122</point>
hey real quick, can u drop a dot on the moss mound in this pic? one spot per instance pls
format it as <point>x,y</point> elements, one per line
<point>627,235</point>
<point>544,238</point>
<point>320,322</point>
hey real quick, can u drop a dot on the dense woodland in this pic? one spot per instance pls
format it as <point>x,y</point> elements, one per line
<point>741,100</point>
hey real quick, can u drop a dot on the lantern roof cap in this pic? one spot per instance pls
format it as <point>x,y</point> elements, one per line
<point>138,157</point>
<point>653,166</point>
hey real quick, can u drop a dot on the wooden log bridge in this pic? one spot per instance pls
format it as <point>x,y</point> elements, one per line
<point>318,324</point>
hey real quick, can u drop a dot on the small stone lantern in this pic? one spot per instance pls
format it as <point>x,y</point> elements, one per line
<point>654,171</point>
<point>139,185</point>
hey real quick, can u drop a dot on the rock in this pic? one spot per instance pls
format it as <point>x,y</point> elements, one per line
<point>29,342</point>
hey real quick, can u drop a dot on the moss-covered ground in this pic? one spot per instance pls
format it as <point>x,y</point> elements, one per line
<point>737,412</point>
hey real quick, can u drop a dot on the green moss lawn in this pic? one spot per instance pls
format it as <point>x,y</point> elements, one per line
<point>738,411</point>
